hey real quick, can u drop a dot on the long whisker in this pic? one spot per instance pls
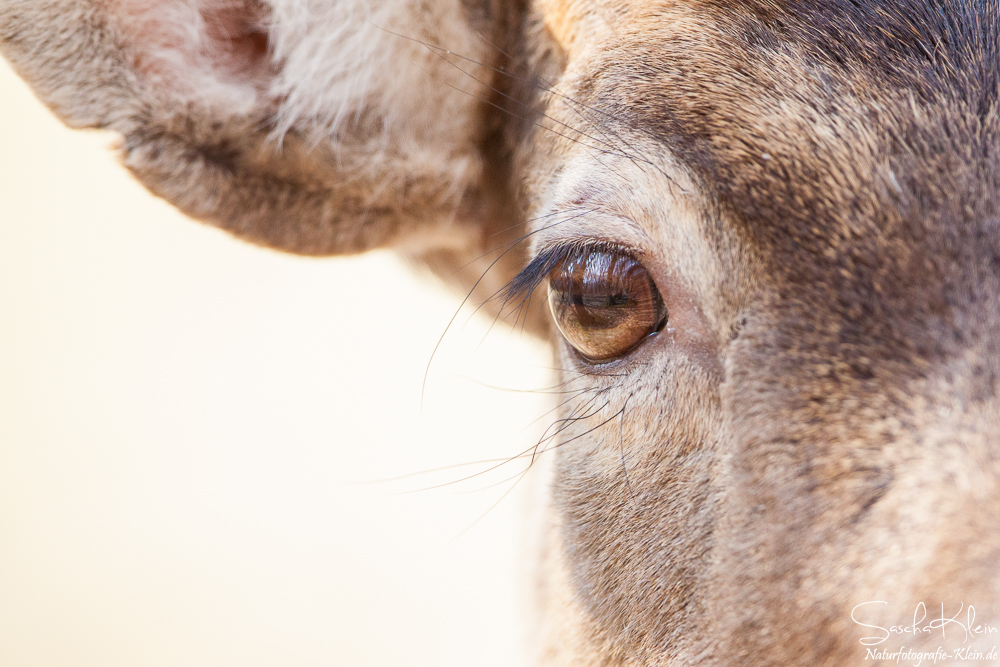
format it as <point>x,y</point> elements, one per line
<point>521,475</point>
<point>621,447</point>
<point>500,462</point>
<point>429,471</point>
<point>503,290</point>
<point>490,509</point>
<point>543,390</point>
<point>513,244</point>
<point>588,431</point>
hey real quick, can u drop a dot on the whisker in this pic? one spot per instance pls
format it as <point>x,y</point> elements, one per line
<point>522,474</point>
<point>495,484</point>
<point>429,471</point>
<point>621,447</point>
<point>504,290</point>
<point>588,431</point>
<point>490,509</point>
<point>543,390</point>
<point>513,244</point>
<point>499,462</point>
<point>564,423</point>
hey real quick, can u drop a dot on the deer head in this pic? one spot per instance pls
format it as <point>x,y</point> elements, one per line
<point>770,236</point>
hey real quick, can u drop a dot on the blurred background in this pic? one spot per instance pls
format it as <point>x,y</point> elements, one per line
<point>190,434</point>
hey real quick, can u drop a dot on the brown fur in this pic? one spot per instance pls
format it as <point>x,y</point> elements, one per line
<point>815,190</point>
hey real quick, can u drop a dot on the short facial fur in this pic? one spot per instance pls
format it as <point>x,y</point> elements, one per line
<point>813,187</point>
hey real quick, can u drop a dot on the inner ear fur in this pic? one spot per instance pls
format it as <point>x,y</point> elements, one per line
<point>310,126</point>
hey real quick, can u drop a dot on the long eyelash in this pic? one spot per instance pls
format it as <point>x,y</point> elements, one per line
<point>531,277</point>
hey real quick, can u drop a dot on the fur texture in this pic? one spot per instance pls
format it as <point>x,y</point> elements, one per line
<point>813,187</point>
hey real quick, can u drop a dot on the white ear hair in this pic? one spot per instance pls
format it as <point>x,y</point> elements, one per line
<point>321,65</point>
<point>387,57</point>
<point>381,75</point>
<point>210,53</point>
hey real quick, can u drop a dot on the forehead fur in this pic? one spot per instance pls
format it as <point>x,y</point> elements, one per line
<point>835,134</point>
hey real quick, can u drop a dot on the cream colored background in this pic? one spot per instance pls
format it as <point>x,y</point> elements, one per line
<point>182,420</point>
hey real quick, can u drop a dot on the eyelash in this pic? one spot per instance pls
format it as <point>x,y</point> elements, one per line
<point>534,274</point>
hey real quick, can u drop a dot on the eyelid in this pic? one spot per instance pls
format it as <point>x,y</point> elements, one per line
<point>538,269</point>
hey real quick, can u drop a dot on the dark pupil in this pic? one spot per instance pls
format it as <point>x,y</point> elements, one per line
<point>598,301</point>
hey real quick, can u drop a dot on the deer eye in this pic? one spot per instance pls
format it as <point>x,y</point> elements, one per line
<point>604,302</point>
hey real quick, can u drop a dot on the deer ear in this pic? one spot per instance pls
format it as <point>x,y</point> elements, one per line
<point>311,126</point>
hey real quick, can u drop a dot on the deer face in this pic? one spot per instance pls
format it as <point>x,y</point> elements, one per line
<point>769,236</point>
<point>812,427</point>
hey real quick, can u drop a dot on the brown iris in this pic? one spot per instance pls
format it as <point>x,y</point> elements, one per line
<point>604,302</point>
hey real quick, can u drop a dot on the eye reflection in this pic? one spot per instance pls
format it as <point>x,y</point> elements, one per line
<point>604,302</point>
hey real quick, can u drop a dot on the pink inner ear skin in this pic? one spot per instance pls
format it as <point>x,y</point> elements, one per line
<point>238,33</point>
<point>197,47</point>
